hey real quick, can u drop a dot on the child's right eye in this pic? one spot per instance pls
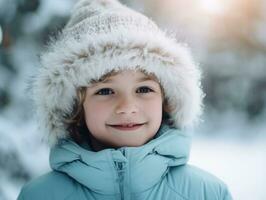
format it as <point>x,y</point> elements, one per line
<point>104,91</point>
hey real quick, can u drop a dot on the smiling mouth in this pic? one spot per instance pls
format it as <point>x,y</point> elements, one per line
<point>127,127</point>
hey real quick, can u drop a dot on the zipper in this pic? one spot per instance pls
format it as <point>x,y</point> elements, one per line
<point>120,167</point>
<point>120,171</point>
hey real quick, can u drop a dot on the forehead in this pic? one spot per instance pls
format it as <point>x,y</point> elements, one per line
<point>139,75</point>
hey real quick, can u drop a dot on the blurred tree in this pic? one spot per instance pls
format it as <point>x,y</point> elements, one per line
<point>235,61</point>
<point>18,19</point>
<point>25,25</point>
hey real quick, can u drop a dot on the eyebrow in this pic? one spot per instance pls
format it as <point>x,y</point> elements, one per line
<point>145,78</point>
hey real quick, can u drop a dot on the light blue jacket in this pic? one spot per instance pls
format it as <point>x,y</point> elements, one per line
<point>156,170</point>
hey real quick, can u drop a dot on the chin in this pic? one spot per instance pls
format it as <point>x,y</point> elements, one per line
<point>136,144</point>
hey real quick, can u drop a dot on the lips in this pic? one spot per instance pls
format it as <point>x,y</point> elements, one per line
<point>127,127</point>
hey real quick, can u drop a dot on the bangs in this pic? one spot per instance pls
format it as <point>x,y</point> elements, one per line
<point>151,76</point>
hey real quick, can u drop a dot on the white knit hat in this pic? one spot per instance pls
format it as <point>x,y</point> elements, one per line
<point>102,36</point>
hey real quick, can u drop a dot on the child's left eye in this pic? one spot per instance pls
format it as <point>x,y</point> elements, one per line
<point>144,90</point>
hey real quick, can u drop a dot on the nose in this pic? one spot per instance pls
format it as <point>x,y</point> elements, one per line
<point>127,105</point>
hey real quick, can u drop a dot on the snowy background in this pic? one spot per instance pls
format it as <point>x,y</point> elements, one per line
<point>228,39</point>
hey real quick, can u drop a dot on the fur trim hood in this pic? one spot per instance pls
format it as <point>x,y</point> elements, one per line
<point>102,36</point>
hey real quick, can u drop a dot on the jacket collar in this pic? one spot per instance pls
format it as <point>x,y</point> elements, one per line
<point>142,166</point>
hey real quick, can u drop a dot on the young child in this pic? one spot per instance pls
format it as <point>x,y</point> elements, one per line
<point>114,94</point>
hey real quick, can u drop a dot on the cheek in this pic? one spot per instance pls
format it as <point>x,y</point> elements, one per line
<point>95,113</point>
<point>154,108</point>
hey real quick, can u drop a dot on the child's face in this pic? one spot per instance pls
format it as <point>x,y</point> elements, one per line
<point>124,110</point>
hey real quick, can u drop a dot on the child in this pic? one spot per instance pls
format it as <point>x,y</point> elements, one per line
<point>114,93</point>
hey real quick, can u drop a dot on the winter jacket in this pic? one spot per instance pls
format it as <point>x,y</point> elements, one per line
<point>155,170</point>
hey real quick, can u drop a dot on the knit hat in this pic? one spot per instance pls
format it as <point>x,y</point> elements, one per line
<point>103,36</point>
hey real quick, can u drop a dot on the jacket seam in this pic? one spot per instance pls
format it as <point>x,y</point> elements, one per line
<point>185,198</point>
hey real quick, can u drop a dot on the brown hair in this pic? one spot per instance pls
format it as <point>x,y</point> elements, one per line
<point>75,122</point>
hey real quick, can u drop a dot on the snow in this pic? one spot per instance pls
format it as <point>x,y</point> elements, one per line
<point>241,165</point>
<point>22,152</point>
<point>233,148</point>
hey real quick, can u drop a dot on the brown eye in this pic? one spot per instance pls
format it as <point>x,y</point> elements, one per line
<point>104,91</point>
<point>144,90</point>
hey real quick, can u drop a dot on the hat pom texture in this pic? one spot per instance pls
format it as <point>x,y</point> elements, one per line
<point>104,35</point>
